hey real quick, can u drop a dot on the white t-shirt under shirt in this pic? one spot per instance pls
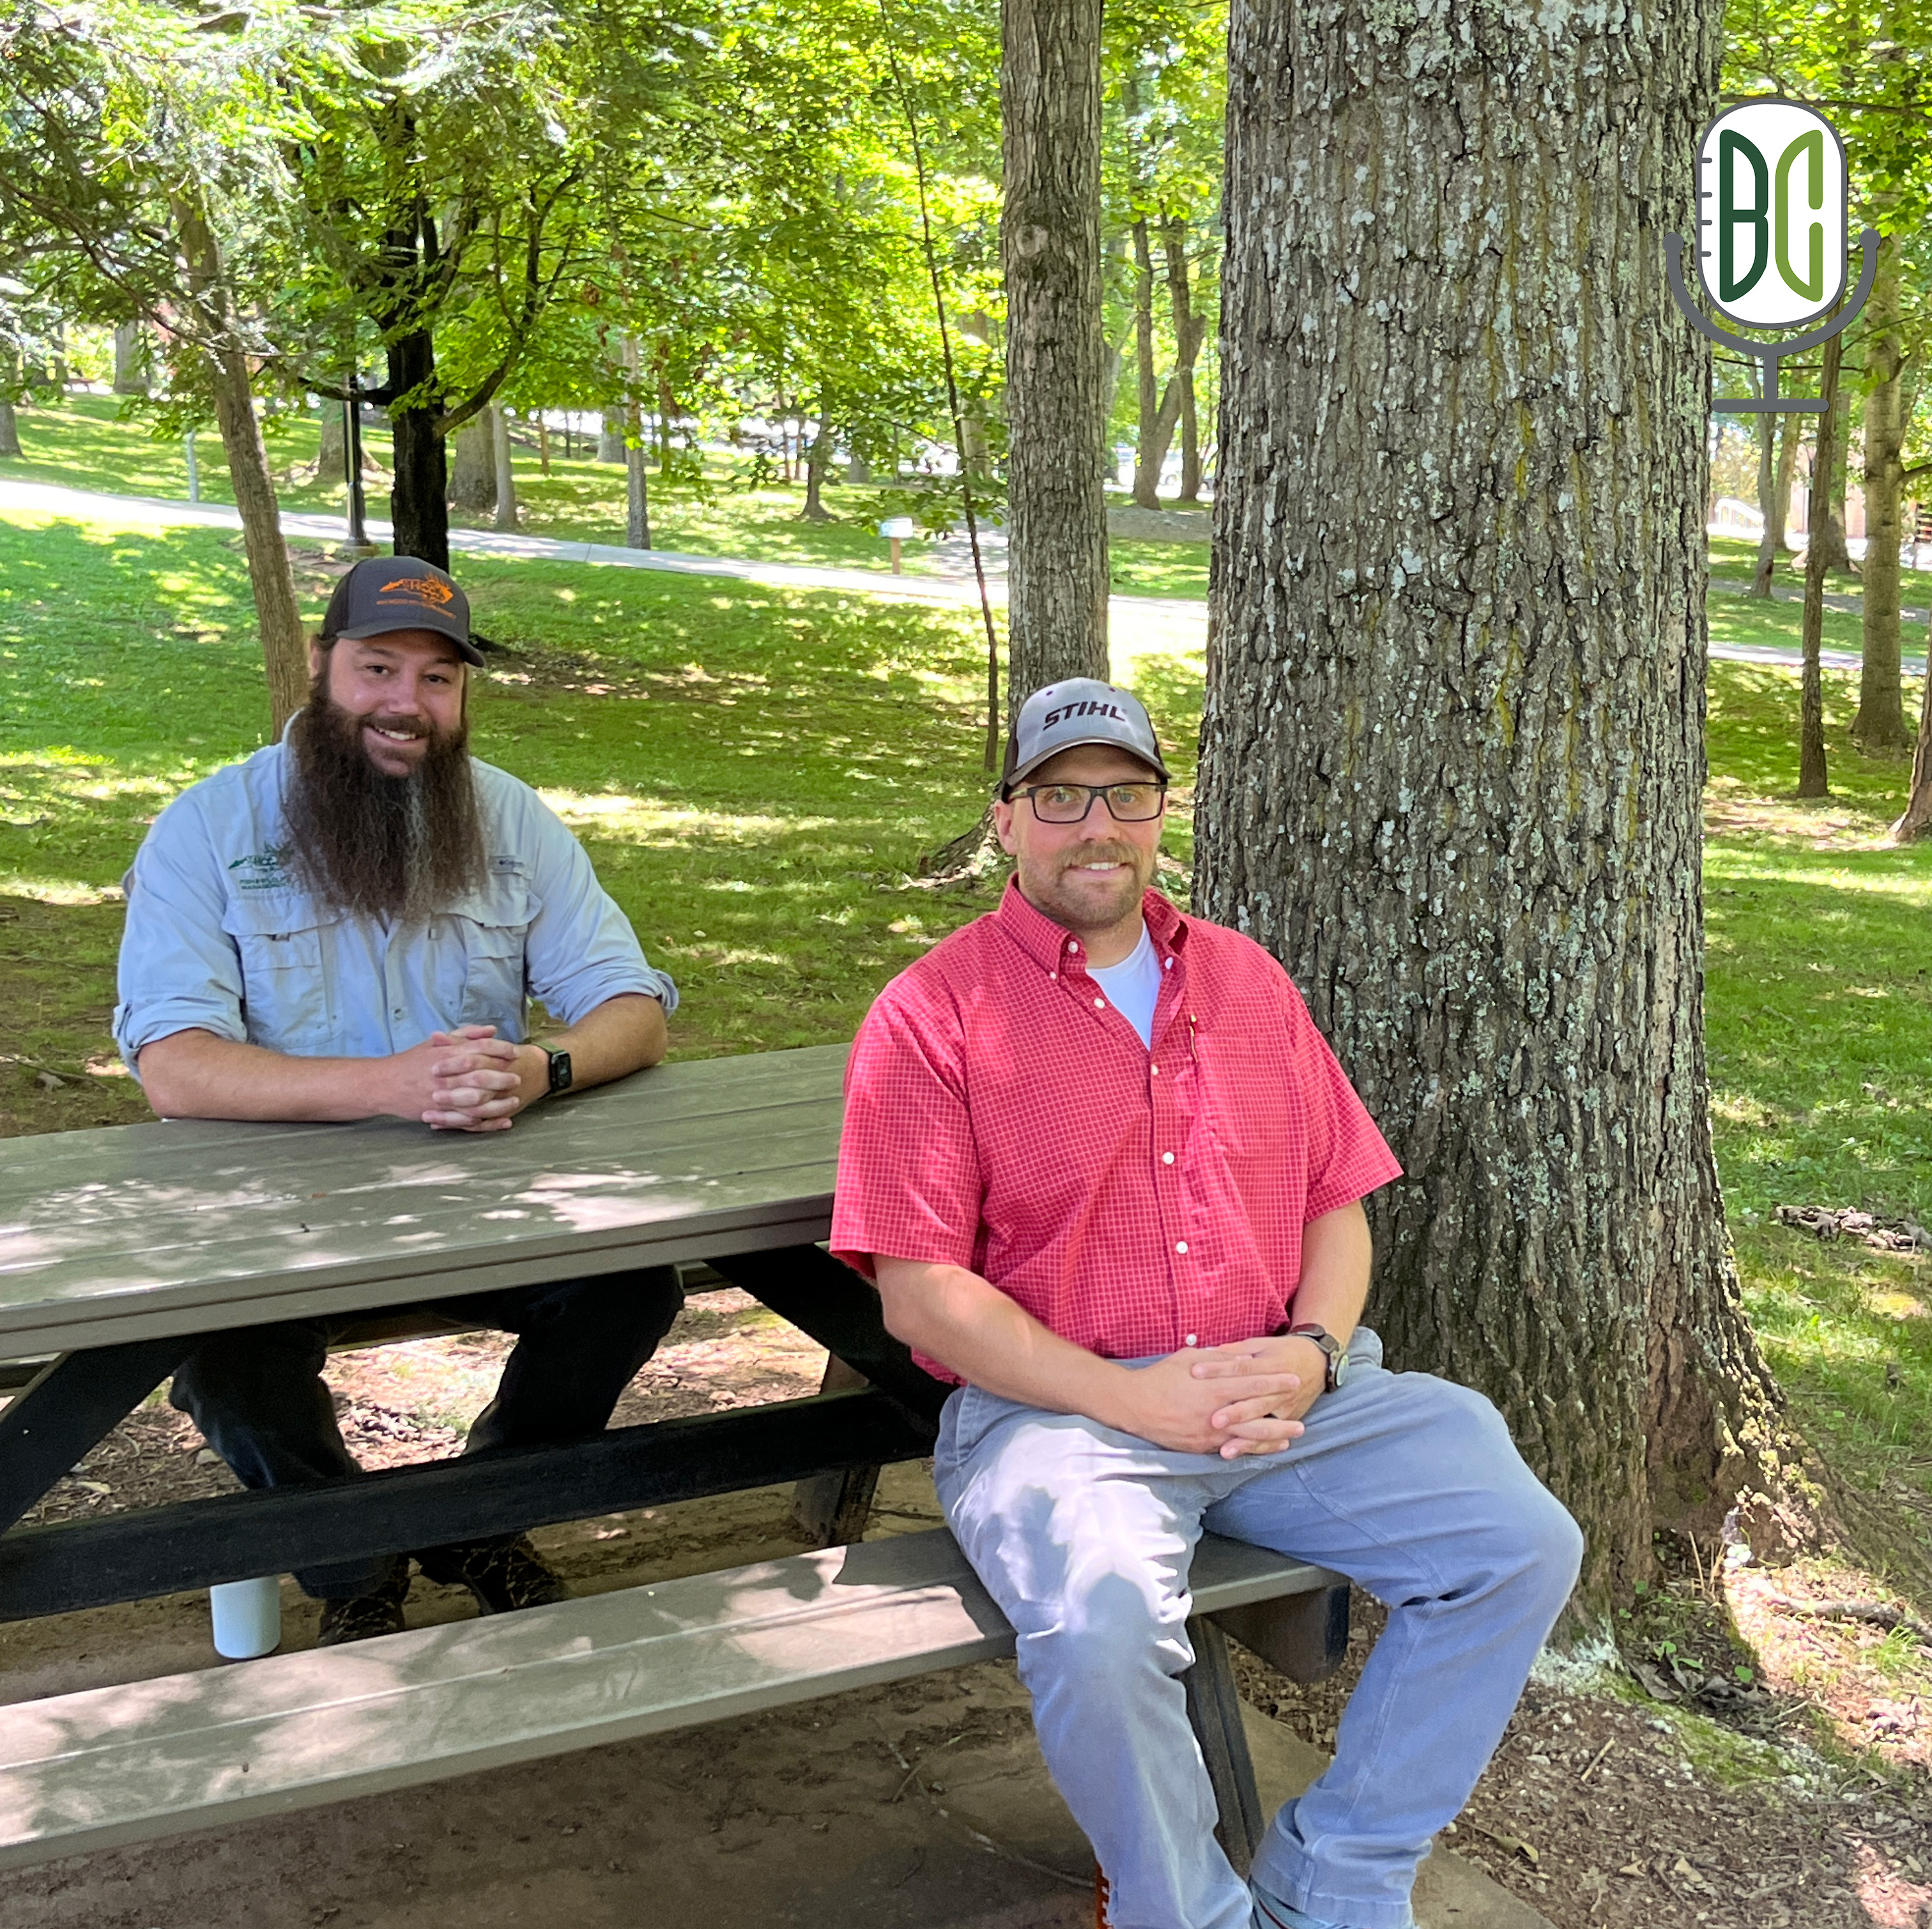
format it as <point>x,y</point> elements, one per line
<point>1133,986</point>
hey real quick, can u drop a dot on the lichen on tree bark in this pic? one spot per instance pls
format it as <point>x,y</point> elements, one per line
<point>1453,750</point>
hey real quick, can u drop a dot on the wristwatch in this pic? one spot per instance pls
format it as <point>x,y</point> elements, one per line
<point>559,1067</point>
<point>1333,1351</point>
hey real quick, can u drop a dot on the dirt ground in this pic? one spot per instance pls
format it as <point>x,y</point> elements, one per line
<point>1671,1791</point>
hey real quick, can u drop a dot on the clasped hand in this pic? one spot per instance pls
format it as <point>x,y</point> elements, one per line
<point>463,1081</point>
<point>1248,1397</point>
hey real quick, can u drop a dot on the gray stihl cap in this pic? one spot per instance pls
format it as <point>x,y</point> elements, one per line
<point>1082,710</point>
<point>382,594</point>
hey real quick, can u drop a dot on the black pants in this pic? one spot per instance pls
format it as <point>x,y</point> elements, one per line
<point>258,1397</point>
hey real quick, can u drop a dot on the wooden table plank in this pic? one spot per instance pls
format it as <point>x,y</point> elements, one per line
<point>141,1231</point>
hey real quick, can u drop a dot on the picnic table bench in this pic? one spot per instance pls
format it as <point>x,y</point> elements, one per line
<point>120,1248</point>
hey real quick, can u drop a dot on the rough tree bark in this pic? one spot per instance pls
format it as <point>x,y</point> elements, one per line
<point>1776,508</point>
<point>10,430</point>
<point>1879,724</point>
<point>1453,750</point>
<point>503,469</point>
<point>284,653</point>
<point>1916,820</point>
<point>472,474</point>
<point>1813,780</point>
<point>419,492</point>
<point>1050,249</point>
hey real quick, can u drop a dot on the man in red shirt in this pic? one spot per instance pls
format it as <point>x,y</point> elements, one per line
<point>1107,1176</point>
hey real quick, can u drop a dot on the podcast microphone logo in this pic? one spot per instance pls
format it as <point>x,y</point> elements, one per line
<point>1773,234</point>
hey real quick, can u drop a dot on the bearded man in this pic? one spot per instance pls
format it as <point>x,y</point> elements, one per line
<point>347,925</point>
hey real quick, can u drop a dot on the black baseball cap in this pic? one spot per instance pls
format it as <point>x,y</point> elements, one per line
<point>382,594</point>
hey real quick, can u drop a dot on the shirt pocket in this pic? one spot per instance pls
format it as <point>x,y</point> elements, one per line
<point>287,975</point>
<point>484,939</point>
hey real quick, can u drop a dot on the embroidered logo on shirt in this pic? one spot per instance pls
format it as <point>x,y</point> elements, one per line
<point>262,871</point>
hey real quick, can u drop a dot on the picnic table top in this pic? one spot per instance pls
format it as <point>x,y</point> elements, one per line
<point>138,1232</point>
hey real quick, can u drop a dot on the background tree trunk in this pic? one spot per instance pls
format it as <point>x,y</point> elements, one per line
<point>504,472</point>
<point>472,474</point>
<point>1772,545</point>
<point>1813,780</point>
<point>10,430</point>
<point>610,435</point>
<point>419,489</point>
<point>1453,751</point>
<point>1916,820</point>
<point>1879,724</point>
<point>1050,249</point>
<point>637,488</point>
<point>131,359</point>
<point>818,465</point>
<point>1188,329</point>
<point>284,653</point>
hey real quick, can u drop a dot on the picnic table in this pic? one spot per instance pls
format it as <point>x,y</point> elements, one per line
<point>121,1248</point>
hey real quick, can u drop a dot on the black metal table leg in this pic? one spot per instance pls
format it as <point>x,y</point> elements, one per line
<point>1214,1712</point>
<point>70,1407</point>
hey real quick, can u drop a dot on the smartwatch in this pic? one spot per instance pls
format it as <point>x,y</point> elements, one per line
<point>559,1068</point>
<point>1333,1351</point>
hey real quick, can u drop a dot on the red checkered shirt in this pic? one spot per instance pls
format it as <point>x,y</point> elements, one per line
<point>1001,1115</point>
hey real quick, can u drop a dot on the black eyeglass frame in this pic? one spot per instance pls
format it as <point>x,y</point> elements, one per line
<point>1093,791</point>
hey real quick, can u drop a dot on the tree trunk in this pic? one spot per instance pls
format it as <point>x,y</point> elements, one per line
<point>504,473</point>
<point>1828,513</point>
<point>610,435</point>
<point>1148,458</point>
<point>1879,724</point>
<point>419,491</point>
<point>1916,821</point>
<point>1452,756</point>
<point>472,474</point>
<point>1772,544</point>
<point>1050,249</point>
<point>10,430</point>
<point>1812,778</point>
<point>284,652</point>
<point>637,495</point>
<point>858,471</point>
<point>131,359</point>
<point>543,443</point>
<point>1188,329</point>
<point>817,465</point>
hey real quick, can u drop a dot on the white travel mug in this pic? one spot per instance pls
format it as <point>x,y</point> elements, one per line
<point>248,1617</point>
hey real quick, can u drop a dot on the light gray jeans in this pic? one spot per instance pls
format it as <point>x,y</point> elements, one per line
<point>1409,1485</point>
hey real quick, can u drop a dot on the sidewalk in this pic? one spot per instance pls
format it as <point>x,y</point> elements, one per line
<point>1139,625</point>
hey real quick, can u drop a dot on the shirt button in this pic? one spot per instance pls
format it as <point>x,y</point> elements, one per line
<point>1168,966</point>
<point>1100,1004</point>
<point>1167,1158</point>
<point>1190,1340</point>
<point>1053,974</point>
<point>1153,1071</point>
<point>1180,1245</point>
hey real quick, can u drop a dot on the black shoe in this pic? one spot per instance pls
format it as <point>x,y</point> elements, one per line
<point>503,1575</point>
<point>363,1615</point>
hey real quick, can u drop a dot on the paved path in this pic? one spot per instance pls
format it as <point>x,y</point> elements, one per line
<point>1139,625</point>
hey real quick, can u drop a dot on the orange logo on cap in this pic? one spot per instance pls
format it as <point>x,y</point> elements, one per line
<point>426,588</point>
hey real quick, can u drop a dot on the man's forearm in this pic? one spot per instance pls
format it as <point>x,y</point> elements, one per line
<point>196,1075</point>
<point>1336,1253</point>
<point>953,1315</point>
<point>621,1036</point>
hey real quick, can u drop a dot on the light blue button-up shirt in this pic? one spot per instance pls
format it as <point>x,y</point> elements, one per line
<point>219,938</point>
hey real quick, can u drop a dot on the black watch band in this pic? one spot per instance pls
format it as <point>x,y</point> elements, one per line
<point>559,1068</point>
<point>1334,1355</point>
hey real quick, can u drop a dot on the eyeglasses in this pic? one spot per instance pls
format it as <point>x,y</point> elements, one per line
<point>1070,803</point>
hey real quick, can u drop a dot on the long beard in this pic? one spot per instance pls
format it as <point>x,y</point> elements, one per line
<point>377,846</point>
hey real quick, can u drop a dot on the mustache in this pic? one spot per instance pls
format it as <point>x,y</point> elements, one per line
<point>1108,851</point>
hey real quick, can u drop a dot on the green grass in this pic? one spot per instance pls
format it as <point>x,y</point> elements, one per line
<point>82,444</point>
<point>1734,562</point>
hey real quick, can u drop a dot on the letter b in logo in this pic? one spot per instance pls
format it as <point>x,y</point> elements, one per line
<point>1772,239</point>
